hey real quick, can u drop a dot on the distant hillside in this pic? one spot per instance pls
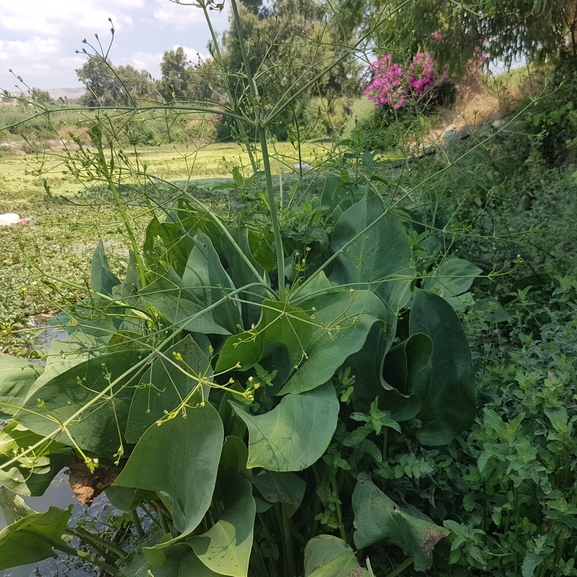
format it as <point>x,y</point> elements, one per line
<point>68,93</point>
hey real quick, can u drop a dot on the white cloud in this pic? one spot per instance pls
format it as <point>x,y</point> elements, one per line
<point>35,47</point>
<point>66,17</point>
<point>39,37</point>
<point>192,54</point>
<point>168,17</point>
<point>168,13</point>
<point>33,57</point>
<point>150,61</point>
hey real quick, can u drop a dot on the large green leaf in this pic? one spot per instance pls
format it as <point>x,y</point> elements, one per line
<point>378,518</point>
<point>367,366</point>
<point>64,354</point>
<point>242,275</point>
<point>177,561</point>
<point>192,566</point>
<point>342,320</point>
<point>13,506</point>
<point>205,277</point>
<point>280,323</point>
<point>337,195</point>
<point>180,457</point>
<point>295,434</point>
<point>446,385</point>
<point>127,499</point>
<point>16,378</point>
<point>165,385</point>
<point>33,471</point>
<point>234,456</point>
<point>176,243</point>
<point>285,488</point>
<point>102,279</point>
<point>405,360</point>
<point>33,538</point>
<point>225,548</point>
<point>452,278</point>
<point>87,405</point>
<point>329,556</point>
<point>288,489</point>
<point>314,345</point>
<point>379,259</point>
<point>179,306</point>
<point>128,289</point>
<point>70,351</point>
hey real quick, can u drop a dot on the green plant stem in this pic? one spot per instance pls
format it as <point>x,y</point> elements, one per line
<point>288,552</point>
<point>385,442</point>
<point>90,559</point>
<point>137,524</point>
<point>150,515</point>
<point>96,542</point>
<point>265,524</point>
<point>161,515</point>
<point>261,129</point>
<point>220,61</point>
<point>273,212</point>
<point>398,570</point>
<point>256,558</point>
<point>299,150</point>
<point>340,522</point>
<point>106,170</point>
<point>129,231</point>
<point>516,557</point>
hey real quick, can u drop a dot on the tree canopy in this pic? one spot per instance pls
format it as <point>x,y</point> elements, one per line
<point>456,32</point>
<point>107,85</point>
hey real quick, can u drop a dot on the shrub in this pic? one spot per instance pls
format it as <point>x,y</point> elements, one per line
<point>418,83</point>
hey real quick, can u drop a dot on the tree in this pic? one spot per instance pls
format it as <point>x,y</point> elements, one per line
<point>456,32</point>
<point>136,83</point>
<point>288,44</point>
<point>107,85</point>
<point>182,79</point>
<point>41,96</point>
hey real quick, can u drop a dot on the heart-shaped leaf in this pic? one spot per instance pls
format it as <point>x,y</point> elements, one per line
<point>295,434</point>
<point>33,538</point>
<point>16,378</point>
<point>225,548</point>
<point>86,405</point>
<point>164,386</point>
<point>378,518</point>
<point>329,556</point>
<point>179,457</point>
<point>446,385</point>
<point>379,258</point>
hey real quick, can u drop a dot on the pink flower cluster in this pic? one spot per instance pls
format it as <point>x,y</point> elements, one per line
<point>389,86</point>
<point>478,60</point>
<point>395,86</point>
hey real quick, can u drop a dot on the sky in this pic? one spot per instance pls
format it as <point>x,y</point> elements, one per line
<point>39,38</point>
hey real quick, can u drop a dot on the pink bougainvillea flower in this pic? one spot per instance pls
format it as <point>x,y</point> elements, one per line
<point>395,86</point>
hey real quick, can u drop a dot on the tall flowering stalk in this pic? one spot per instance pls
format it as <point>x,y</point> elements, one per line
<point>396,86</point>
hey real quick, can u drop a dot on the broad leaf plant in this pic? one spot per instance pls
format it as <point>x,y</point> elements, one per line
<point>213,391</point>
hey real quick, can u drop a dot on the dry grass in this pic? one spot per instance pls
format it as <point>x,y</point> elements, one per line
<point>485,100</point>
